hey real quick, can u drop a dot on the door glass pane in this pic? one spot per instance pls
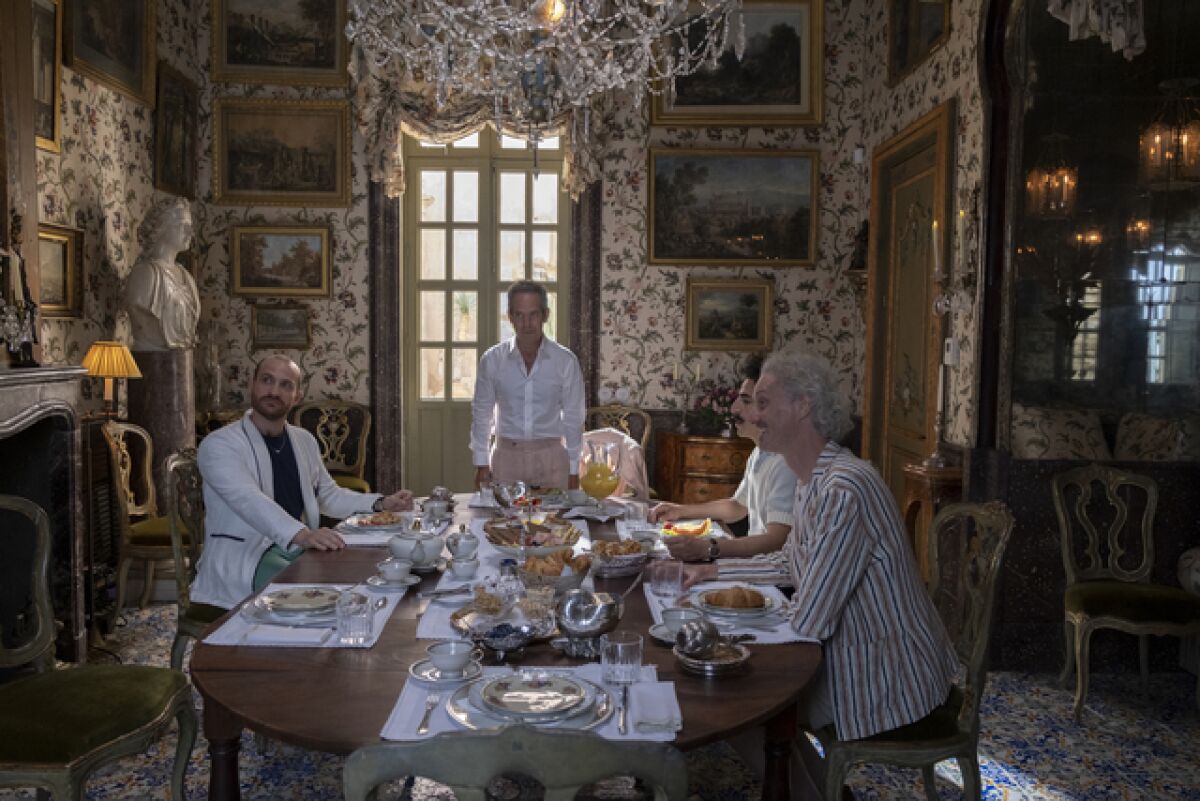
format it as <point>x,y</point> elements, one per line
<point>433,317</point>
<point>512,255</point>
<point>433,254</point>
<point>465,314</point>
<point>512,143</point>
<point>549,143</point>
<point>545,198</point>
<point>466,196</point>
<point>545,256</point>
<point>462,373</point>
<point>433,196</point>
<point>466,255</point>
<point>470,140</point>
<point>551,328</point>
<point>433,373</point>
<point>506,329</point>
<point>512,197</point>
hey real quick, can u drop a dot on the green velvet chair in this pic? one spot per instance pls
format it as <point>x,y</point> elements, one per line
<point>342,429</point>
<point>58,726</point>
<point>563,761</point>
<point>145,535</point>
<point>1108,554</point>
<point>966,547</point>
<point>185,513</point>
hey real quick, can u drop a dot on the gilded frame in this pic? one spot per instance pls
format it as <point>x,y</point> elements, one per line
<point>784,182</point>
<point>313,133</point>
<point>904,52</point>
<point>731,106</point>
<point>248,244</point>
<point>228,36</point>
<point>60,256</point>
<point>128,21</point>
<point>176,114</point>
<point>283,326</point>
<point>47,77</point>
<point>713,316</point>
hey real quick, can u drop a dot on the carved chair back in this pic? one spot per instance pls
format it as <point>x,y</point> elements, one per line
<point>1106,522</point>
<point>31,637</point>
<point>131,454</point>
<point>185,511</point>
<point>342,429</point>
<point>627,419</point>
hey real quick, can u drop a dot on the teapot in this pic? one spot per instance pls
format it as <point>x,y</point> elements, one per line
<point>419,548</point>
<point>463,544</point>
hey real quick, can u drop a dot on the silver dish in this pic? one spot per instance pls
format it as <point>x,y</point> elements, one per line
<point>726,660</point>
<point>382,584</point>
<point>463,712</point>
<point>586,615</point>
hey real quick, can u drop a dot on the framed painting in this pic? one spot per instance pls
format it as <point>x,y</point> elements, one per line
<point>915,29</point>
<point>778,81</point>
<point>728,314</point>
<point>281,152</point>
<point>293,42</point>
<point>739,207</point>
<point>47,73</point>
<point>60,253</point>
<point>285,326</point>
<point>113,42</point>
<point>175,126</point>
<point>280,260</point>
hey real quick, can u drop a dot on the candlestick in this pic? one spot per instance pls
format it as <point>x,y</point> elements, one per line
<point>937,251</point>
<point>675,375</point>
<point>961,241</point>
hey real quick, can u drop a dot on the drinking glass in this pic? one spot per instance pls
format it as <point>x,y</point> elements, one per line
<point>666,577</point>
<point>620,657</point>
<point>353,618</point>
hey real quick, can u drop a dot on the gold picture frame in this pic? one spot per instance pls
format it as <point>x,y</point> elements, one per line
<point>915,29</point>
<point>60,256</point>
<point>281,152</point>
<point>279,261</point>
<point>724,95</point>
<point>284,326</point>
<point>113,42</point>
<point>729,314</point>
<point>47,73</point>
<point>255,41</point>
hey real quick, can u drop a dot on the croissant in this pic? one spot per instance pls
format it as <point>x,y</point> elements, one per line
<point>736,598</point>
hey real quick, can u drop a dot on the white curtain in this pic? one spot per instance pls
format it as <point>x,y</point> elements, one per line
<point>1121,23</point>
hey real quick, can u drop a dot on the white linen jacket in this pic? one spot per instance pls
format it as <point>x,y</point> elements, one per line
<point>242,519</point>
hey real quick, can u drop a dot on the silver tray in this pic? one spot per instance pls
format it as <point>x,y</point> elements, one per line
<point>729,659</point>
<point>463,712</point>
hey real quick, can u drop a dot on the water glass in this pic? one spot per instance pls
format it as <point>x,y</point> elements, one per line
<point>620,657</point>
<point>666,578</point>
<point>353,618</point>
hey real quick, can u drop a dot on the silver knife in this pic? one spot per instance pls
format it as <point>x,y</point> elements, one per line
<point>624,704</point>
<point>441,593</point>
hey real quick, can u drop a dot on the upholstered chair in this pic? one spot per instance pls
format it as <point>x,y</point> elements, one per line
<point>342,429</point>
<point>58,726</point>
<point>1106,522</point>
<point>627,419</point>
<point>966,547</point>
<point>185,511</point>
<point>563,761</point>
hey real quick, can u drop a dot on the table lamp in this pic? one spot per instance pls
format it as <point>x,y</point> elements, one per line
<point>109,360</point>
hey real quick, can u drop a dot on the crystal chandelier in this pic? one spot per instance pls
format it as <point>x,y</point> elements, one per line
<point>535,60</point>
<point>1169,148</point>
<point>1050,187</point>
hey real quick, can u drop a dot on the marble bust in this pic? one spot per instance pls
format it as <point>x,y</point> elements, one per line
<point>160,295</point>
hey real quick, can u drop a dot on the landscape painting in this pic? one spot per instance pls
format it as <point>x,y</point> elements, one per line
<point>175,126</point>
<point>113,42</point>
<point>778,80</point>
<point>60,253</point>
<point>282,152</point>
<point>293,42</point>
<point>733,207</point>
<point>47,74</point>
<point>281,261</point>
<point>728,314</point>
<point>285,326</point>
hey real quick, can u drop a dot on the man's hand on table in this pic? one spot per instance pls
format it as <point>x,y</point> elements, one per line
<point>694,574</point>
<point>664,511</point>
<point>688,549</point>
<point>401,501</point>
<point>320,539</point>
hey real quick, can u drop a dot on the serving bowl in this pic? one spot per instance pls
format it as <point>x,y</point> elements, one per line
<point>586,615</point>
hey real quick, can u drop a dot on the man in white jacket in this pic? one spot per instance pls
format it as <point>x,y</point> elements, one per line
<point>265,488</point>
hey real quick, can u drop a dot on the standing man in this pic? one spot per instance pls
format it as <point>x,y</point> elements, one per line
<point>265,488</point>
<point>530,388</point>
<point>766,494</point>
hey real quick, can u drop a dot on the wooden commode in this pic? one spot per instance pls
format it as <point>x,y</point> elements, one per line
<point>692,469</point>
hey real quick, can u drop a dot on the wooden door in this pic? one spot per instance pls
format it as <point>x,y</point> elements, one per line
<point>909,202</point>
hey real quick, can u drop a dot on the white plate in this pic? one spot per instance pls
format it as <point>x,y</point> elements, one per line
<point>299,600</point>
<point>261,614</point>
<point>380,583</point>
<point>770,605</point>
<point>461,710</point>
<point>662,635</point>
<point>358,524</point>
<point>426,672</point>
<point>531,696</point>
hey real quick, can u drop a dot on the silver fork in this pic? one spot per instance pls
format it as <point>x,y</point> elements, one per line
<point>430,702</point>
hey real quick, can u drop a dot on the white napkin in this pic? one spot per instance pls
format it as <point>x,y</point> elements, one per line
<point>653,707</point>
<point>266,634</point>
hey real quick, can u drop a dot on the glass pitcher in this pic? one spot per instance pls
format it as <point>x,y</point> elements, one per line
<point>601,469</point>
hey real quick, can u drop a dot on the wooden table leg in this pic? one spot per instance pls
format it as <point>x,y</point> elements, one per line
<point>779,733</point>
<point>224,733</point>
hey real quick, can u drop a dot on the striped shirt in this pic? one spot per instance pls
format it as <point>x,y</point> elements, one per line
<point>889,661</point>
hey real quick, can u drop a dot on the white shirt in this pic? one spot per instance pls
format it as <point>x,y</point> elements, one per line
<point>545,403</point>
<point>768,491</point>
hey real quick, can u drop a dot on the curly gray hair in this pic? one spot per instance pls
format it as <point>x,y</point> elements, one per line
<point>157,217</point>
<point>802,375</point>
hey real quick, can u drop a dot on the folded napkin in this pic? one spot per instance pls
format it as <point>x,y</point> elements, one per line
<point>365,539</point>
<point>653,707</point>
<point>266,634</point>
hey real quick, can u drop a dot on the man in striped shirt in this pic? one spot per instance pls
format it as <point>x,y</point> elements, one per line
<point>887,658</point>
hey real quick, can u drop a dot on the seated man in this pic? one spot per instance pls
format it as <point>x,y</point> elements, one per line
<point>766,494</point>
<point>265,488</point>
<point>887,658</point>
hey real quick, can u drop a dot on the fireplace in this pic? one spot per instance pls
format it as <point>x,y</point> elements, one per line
<point>40,461</point>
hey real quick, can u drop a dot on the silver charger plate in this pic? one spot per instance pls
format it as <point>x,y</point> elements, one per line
<point>729,658</point>
<point>425,671</point>
<point>380,583</point>
<point>461,710</point>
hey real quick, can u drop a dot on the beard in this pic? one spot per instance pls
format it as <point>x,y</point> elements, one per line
<point>277,409</point>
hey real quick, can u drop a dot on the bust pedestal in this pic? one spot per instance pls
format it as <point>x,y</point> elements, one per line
<point>164,403</point>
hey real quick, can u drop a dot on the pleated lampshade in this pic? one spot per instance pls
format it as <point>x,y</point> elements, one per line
<point>110,360</point>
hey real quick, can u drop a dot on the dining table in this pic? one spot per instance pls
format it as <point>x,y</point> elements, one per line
<point>336,700</point>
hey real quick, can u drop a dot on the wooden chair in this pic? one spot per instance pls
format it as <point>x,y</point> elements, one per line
<point>58,726</point>
<point>185,511</point>
<point>145,535</point>
<point>966,546</point>
<point>563,761</point>
<point>627,419</point>
<point>342,429</point>
<point>1108,553</point>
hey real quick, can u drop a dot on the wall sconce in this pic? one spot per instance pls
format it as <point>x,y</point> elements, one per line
<point>1051,186</point>
<point>110,360</point>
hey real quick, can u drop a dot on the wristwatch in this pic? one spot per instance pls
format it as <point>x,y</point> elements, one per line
<point>714,548</point>
<point>378,505</point>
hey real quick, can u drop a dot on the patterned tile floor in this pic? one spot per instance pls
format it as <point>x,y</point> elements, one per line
<point>1130,747</point>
